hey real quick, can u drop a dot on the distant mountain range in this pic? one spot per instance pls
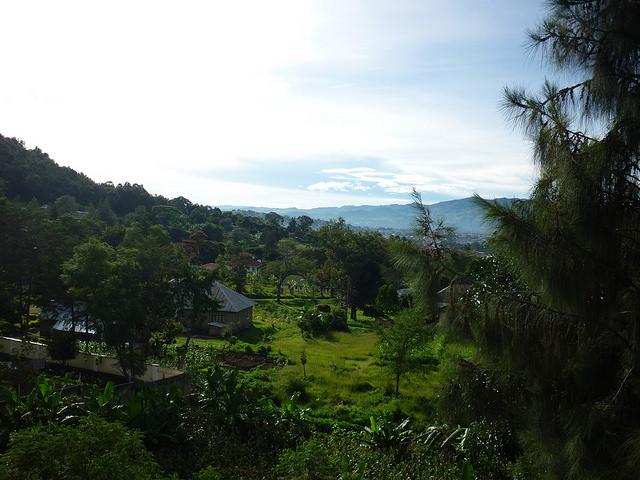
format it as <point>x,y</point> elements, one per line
<point>31,174</point>
<point>463,215</point>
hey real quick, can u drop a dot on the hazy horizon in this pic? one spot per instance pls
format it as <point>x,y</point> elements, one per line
<point>314,103</point>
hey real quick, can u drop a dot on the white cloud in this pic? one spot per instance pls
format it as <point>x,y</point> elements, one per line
<point>339,186</point>
<point>349,170</point>
<point>159,92</point>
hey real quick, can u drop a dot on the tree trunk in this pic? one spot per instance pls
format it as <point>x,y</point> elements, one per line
<point>185,348</point>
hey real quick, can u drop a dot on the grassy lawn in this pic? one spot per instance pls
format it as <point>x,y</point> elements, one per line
<point>343,379</point>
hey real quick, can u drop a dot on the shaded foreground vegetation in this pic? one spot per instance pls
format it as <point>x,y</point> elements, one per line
<point>226,428</point>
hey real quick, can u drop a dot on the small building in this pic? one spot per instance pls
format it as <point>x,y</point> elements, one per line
<point>67,318</point>
<point>210,266</point>
<point>253,267</point>
<point>235,313</point>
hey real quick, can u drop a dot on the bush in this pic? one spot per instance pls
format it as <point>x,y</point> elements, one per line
<point>310,460</point>
<point>296,385</point>
<point>62,346</point>
<point>335,320</point>
<point>312,323</point>
<point>417,462</point>
<point>92,449</point>
<point>362,387</point>
<point>264,350</point>
<point>208,473</point>
<point>387,300</point>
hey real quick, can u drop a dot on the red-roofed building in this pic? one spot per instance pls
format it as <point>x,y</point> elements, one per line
<point>253,267</point>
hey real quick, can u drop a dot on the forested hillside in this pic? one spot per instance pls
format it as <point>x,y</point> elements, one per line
<point>124,264</point>
<point>26,175</point>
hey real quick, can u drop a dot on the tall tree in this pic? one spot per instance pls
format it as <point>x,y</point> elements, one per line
<point>110,282</point>
<point>387,300</point>
<point>570,339</point>
<point>21,239</point>
<point>237,270</point>
<point>289,261</point>
<point>353,264</point>
<point>157,257</point>
<point>303,226</point>
<point>192,293</point>
<point>274,219</point>
<point>426,261</point>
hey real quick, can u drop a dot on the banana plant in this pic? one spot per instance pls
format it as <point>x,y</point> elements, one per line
<point>157,413</point>
<point>41,405</point>
<point>104,402</point>
<point>223,396</point>
<point>439,436</point>
<point>289,411</point>
<point>385,435</point>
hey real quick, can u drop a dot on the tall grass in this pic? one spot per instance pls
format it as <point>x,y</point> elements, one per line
<point>343,380</point>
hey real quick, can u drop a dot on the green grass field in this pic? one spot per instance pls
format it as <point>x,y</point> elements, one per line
<point>343,378</point>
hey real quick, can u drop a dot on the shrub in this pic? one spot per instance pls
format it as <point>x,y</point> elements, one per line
<point>310,322</point>
<point>208,473</point>
<point>362,387</point>
<point>62,346</point>
<point>310,460</point>
<point>264,350</point>
<point>296,385</point>
<point>335,320</point>
<point>92,449</point>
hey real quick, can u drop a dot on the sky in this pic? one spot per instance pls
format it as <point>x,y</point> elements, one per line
<point>279,103</point>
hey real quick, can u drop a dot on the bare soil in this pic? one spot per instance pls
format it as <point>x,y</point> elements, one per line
<point>246,361</point>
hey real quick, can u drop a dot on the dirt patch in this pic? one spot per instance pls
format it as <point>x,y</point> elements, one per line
<point>246,361</point>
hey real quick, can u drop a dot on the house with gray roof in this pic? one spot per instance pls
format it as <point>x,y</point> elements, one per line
<point>67,318</point>
<point>234,314</point>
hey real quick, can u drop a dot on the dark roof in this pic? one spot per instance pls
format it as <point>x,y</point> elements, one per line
<point>66,325</point>
<point>63,318</point>
<point>231,300</point>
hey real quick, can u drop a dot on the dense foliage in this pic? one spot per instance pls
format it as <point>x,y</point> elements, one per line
<point>93,448</point>
<point>123,263</point>
<point>541,368</point>
<point>559,343</point>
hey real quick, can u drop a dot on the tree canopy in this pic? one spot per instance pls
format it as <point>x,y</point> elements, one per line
<point>560,345</point>
<point>354,263</point>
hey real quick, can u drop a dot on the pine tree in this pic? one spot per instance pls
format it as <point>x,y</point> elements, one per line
<point>560,361</point>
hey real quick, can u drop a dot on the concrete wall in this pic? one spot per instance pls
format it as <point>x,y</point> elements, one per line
<point>86,361</point>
